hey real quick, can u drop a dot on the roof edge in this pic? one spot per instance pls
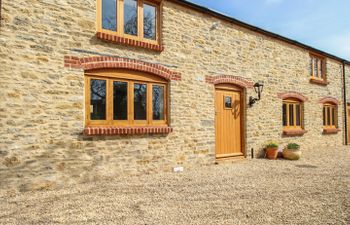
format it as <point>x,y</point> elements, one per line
<point>257,29</point>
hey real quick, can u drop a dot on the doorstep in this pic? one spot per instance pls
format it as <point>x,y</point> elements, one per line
<point>227,160</point>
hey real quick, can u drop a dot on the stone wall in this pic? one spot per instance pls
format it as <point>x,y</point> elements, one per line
<point>42,102</point>
<point>347,73</point>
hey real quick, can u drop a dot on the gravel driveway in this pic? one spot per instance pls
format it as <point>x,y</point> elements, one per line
<point>314,190</point>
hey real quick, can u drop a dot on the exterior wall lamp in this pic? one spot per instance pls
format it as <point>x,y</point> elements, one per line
<point>258,87</point>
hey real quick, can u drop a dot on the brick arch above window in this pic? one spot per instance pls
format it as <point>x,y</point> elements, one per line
<point>229,79</point>
<point>292,94</point>
<point>329,99</point>
<point>108,62</point>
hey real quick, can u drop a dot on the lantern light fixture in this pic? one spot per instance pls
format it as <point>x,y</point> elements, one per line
<point>258,88</point>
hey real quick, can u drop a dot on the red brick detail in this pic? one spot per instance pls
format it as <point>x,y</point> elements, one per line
<point>110,130</point>
<point>319,82</point>
<point>331,130</point>
<point>175,76</point>
<point>293,133</point>
<point>329,99</point>
<point>228,79</point>
<point>292,94</point>
<point>127,41</point>
<point>72,62</point>
<point>103,62</point>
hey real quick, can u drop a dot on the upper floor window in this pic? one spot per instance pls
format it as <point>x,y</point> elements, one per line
<point>292,114</point>
<point>329,116</point>
<point>318,68</point>
<point>133,19</point>
<point>125,98</point>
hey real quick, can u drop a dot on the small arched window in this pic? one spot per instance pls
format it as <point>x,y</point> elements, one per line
<point>330,116</point>
<point>125,98</point>
<point>292,114</point>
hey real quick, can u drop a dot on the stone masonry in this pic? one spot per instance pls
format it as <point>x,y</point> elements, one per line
<point>42,144</point>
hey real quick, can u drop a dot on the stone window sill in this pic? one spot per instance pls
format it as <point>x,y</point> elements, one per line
<point>330,130</point>
<point>127,41</point>
<point>113,131</point>
<point>318,81</point>
<point>293,133</point>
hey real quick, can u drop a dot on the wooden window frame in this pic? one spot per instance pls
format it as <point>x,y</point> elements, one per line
<point>120,21</point>
<point>332,124</point>
<point>293,102</point>
<point>321,68</point>
<point>130,77</point>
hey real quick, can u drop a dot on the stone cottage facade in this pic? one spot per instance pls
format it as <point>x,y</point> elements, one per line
<point>93,89</point>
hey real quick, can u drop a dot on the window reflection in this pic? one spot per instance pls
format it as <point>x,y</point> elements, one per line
<point>98,100</point>
<point>130,17</point>
<point>120,100</point>
<point>149,21</point>
<point>109,15</point>
<point>158,102</point>
<point>140,101</point>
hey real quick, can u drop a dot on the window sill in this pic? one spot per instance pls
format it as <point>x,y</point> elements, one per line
<point>127,41</point>
<point>330,130</point>
<point>318,81</point>
<point>111,131</point>
<point>292,133</point>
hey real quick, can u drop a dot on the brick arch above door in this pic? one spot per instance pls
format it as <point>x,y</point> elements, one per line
<point>230,79</point>
<point>109,62</point>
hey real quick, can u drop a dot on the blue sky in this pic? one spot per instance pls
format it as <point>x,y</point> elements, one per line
<point>323,24</point>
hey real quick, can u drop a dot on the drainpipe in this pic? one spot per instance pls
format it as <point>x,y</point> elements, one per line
<point>345,106</point>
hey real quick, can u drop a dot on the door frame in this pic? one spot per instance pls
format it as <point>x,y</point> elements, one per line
<point>242,91</point>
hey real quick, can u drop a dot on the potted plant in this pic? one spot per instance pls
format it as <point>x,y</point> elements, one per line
<point>272,150</point>
<point>292,152</point>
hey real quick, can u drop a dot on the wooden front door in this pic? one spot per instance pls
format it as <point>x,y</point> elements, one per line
<point>228,121</point>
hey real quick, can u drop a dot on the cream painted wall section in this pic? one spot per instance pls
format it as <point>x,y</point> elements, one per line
<point>41,102</point>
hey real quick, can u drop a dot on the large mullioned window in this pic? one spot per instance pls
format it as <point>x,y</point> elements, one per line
<point>134,19</point>
<point>125,99</point>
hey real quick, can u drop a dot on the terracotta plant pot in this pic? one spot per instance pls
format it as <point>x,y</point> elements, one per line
<point>271,153</point>
<point>291,154</point>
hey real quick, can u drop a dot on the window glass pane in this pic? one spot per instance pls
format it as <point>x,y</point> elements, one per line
<point>291,115</point>
<point>333,116</point>
<point>316,68</point>
<point>109,15</point>
<point>120,100</point>
<point>228,102</point>
<point>297,115</point>
<point>149,21</point>
<point>158,102</point>
<point>324,116</point>
<point>140,101</point>
<point>130,17</point>
<point>284,109</point>
<point>328,116</point>
<point>321,69</point>
<point>98,99</point>
<point>311,67</point>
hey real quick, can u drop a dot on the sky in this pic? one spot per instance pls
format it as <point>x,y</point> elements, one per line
<point>322,24</point>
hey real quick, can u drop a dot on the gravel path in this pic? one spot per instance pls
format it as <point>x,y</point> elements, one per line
<point>314,190</point>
